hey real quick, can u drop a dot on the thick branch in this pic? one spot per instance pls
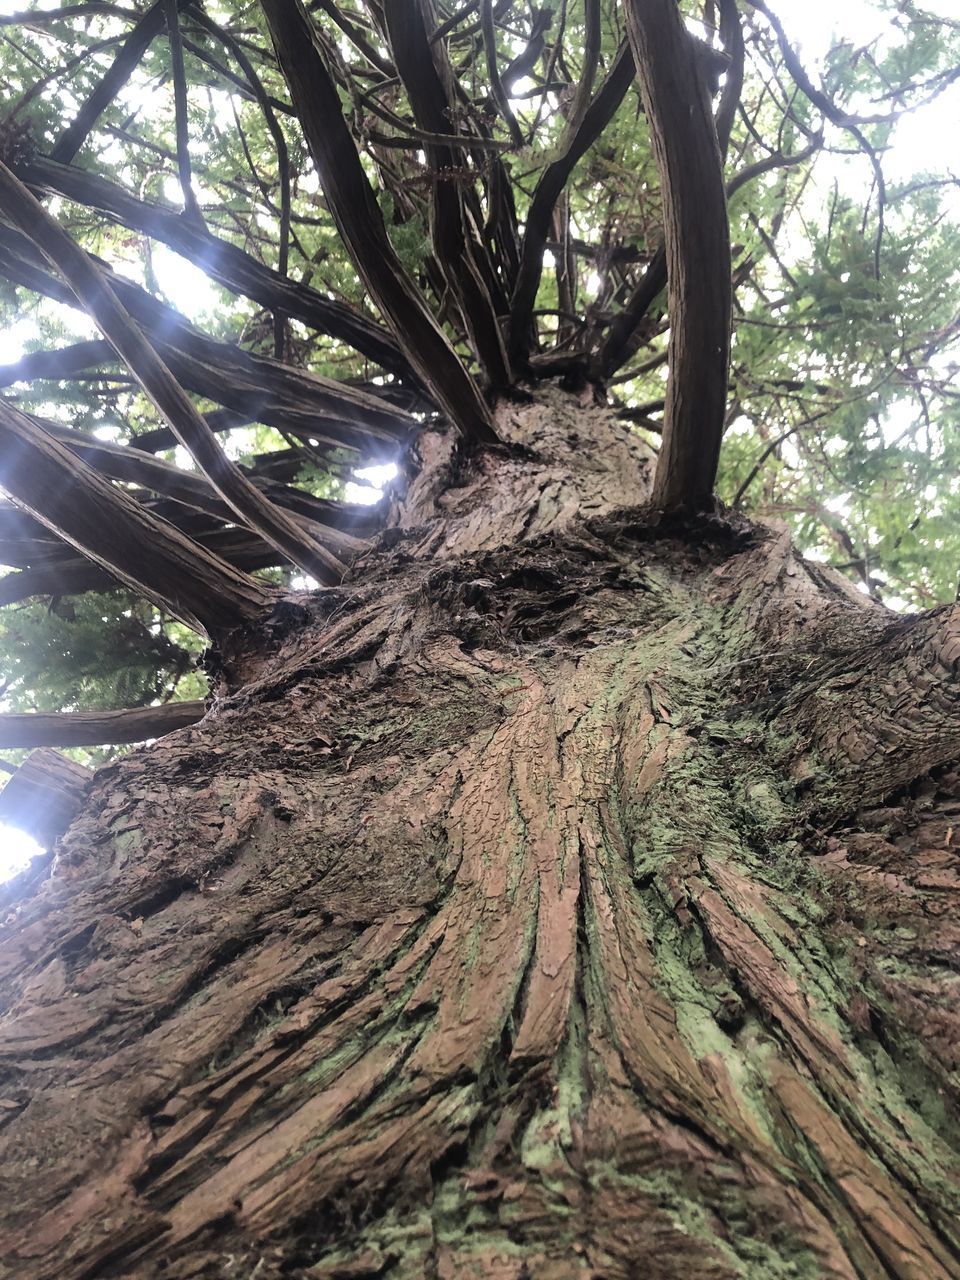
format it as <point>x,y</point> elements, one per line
<point>60,363</point>
<point>122,462</point>
<point>109,527</point>
<point>70,577</point>
<point>96,728</point>
<point>697,242</point>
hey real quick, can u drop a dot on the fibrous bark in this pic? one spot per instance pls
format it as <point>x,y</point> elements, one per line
<point>571,893</point>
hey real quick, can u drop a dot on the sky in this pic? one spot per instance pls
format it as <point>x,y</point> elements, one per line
<point>927,139</point>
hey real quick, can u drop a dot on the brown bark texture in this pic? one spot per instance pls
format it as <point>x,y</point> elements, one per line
<point>572,892</point>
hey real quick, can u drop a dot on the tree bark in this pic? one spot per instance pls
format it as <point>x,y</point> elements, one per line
<point>572,893</point>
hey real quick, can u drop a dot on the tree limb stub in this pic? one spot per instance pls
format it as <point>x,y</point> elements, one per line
<point>94,292</point>
<point>111,528</point>
<point>96,728</point>
<point>43,796</point>
<point>697,242</point>
<point>355,210</point>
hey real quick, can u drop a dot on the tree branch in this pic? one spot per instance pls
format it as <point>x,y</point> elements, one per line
<point>697,244</point>
<point>237,271</point>
<point>44,795</point>
<point>552,181</point>
<point>109,527</point>
<point>96,728</point>
<point>262,389</point>
<point>121,69</point>
<point>172,19</point>
<point>833,114</point>
<point>124,462</point>
<point>93,291</point>
<point>493,71</point>
<point>622,337</point>
<point>731,33</point>
<point>280,145</point>
<point>354,207</point>
<point>60,363</point>
<point>429,81</point>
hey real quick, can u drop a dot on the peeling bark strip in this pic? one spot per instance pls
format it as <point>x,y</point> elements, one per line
<point>355,210</point>
<point>697,241</point>
<point>566,898</point>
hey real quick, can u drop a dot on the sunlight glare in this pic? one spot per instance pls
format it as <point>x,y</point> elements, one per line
<point>16,850</point>
<point>15,339</point>
<point>376,477</point>
<point>187,287</point>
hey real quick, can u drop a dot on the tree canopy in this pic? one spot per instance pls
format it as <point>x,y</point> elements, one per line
<point>304,233</point>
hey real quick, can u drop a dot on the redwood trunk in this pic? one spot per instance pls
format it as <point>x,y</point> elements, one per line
<point>566,895</point>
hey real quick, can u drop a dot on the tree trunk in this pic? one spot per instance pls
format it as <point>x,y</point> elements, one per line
<point>566,895</point>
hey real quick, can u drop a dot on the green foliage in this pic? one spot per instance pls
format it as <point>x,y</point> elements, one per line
<point>53,655</point>
<point>93,652</point>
